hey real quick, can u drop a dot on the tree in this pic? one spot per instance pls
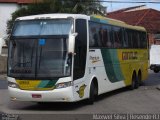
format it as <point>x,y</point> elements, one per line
<point>56,6</point>
<point>88,7</point>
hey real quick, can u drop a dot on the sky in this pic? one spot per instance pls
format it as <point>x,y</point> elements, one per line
<point>116,6</point>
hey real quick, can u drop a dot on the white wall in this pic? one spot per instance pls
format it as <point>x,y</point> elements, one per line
<point>6,9</point>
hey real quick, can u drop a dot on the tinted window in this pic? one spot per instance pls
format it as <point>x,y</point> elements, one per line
<point>125,40</point>
<point>117,36</point>
<point>80,49</point>
<point>99,35</point>
<point>135,39</point>
<point>94,34</point>
<point>106,36</point>
<point>129,36</point>
<point>109,36</point>
<point>143,40</point>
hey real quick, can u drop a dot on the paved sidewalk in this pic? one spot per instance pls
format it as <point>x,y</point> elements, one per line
<point>3,76</point>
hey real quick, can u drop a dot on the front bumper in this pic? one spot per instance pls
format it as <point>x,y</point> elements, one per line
<point>56,95</point>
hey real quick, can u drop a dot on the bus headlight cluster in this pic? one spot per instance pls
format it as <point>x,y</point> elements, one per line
<point>63,85</point>
<point>12,84</point>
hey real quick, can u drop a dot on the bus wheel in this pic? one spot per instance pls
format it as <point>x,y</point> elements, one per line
<point>156,70</point>
<point>140,78</point>
<point>135,83</point>
<point>93,93</point>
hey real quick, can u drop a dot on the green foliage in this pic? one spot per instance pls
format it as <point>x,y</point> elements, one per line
<point>55,6</point>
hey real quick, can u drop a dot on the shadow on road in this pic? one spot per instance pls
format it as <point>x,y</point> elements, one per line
<point>50,106</point>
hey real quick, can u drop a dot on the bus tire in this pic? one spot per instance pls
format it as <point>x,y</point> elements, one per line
<point>156,70</point>
<point>93,93</point>
<point>135,83</point>
<point>140,78</point>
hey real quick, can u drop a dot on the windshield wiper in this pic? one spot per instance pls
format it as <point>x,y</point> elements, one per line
<point>33,51</point>
<point>13,43</point>
<point>40,56</point>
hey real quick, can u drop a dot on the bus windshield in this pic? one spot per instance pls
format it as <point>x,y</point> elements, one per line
<point>42,27</point>
<point>44,56</point>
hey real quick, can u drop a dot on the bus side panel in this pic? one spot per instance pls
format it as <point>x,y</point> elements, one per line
<point>133,60</point>
<point>114,67</point>
<point>106,72</point>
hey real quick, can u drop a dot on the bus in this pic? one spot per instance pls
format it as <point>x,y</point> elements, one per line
<point>72,57</point>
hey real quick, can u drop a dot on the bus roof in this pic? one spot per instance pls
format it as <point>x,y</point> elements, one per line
<point>110,21</point>
<point>53,16</point>
<point>97,18</point>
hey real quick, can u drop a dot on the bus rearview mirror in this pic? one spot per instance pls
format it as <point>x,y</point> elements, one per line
<point>71,42</point>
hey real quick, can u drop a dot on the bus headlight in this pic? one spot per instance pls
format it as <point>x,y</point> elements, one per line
<point>63,85</point>
<point>12,84</point>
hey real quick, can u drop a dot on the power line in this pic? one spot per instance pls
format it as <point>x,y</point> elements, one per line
<point>120,1</point>
<point>117,1</point>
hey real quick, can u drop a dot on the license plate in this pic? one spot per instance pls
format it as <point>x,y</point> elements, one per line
<point>36,96</point>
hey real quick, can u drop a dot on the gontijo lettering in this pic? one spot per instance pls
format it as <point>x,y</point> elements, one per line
<point>94,59</point>
<point>129,55</point>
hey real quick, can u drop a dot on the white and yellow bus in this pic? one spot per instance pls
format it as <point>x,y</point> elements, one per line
<point>71,57</point>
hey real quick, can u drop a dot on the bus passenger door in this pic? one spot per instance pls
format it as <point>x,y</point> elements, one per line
<point>80,59</point>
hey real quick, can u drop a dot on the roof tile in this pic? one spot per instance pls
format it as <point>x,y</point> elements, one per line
<point>148,18</point>
<point>17,1</point>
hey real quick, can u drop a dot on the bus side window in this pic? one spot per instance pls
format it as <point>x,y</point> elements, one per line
<point>101,36</point>
<point>143,40</point>
<point>130,42</point>
<point>93,35</point>
<point>125,40</point>
<point>138,40</point>
<point>117,37</point>
<point>107,38</point>
<point>135,39</point>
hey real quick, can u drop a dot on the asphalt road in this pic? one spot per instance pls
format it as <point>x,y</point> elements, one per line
<point>145,100</point>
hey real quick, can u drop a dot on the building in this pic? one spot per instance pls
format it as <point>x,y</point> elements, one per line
<point>7,7</point>
<point>141,16</point>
